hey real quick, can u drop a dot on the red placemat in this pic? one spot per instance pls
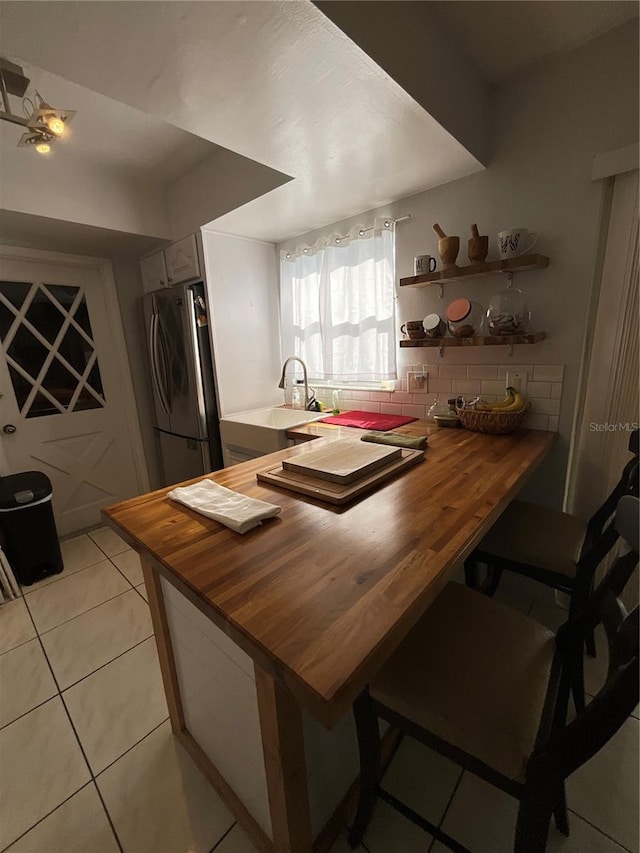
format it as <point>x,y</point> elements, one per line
<point>368,420</point>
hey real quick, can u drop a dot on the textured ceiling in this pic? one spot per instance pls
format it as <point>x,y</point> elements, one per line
<point>503,37</point>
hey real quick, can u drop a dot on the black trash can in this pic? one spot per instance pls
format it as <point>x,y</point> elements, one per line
<point>30,538</point>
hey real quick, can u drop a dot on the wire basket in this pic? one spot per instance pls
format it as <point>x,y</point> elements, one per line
<point>492,423</point>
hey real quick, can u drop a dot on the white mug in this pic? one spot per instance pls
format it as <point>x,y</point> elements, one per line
<point>422,264</point>
<point>512,243</point>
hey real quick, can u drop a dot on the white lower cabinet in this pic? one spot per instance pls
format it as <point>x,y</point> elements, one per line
<point>235,455</point>
<point>219,699</point>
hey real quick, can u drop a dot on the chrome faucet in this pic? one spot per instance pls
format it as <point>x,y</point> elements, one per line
<point>307,397</point>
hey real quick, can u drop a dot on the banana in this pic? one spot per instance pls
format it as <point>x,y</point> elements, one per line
<point>517,405</point>
<point>481,406</point>
<point>508,400</point>
<point>513,402</point>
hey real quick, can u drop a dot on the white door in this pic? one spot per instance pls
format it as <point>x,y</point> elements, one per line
<point>62,402</point>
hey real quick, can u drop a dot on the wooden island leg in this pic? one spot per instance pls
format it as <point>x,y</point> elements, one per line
<point>285,765</point>
<point>163,644</point>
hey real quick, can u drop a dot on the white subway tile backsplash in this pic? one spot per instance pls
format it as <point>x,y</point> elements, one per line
<point>413,411</point>
<point>534,421</point>
<point>503,369</point>
<point>493,386</point>
<point>440,386</point>
<point>539,389</point>
<point>465,386</point>
<point>545,406</point>
<point>453,371</point>
<point>544,388</point>
<point>423,399</point>
<point>482,371</point>
<point>548,373</point>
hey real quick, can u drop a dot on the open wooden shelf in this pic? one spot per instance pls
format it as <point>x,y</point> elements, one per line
<point>521,264</point>
<point>477,341</point>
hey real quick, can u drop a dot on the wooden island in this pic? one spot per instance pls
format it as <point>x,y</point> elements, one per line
<point>266,639</point>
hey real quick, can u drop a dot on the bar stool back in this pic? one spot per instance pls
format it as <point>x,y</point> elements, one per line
<point>551,547</point>
<point>503,715</point>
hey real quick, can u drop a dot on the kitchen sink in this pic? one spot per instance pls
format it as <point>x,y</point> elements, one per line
<point>263,430</point>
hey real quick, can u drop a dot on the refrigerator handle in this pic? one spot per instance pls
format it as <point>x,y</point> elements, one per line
<point>163,365</point>
<point>193,307</point>
<point>153,351</point>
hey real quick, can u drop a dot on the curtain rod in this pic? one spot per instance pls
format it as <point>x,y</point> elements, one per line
<point>340,237</point>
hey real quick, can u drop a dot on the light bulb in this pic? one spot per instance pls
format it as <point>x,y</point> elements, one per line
<point>56,125</point>
<point>43,147</point>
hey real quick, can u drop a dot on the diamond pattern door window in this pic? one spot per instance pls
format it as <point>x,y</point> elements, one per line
<point>48,343</point>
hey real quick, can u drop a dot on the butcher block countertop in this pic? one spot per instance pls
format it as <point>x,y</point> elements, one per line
<point>320,596</point>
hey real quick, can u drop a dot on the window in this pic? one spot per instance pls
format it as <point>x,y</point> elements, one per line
<point>48,343</point>
<point>337,303</point>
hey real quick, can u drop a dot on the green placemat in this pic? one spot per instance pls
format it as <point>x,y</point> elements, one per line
<point>396,439</point>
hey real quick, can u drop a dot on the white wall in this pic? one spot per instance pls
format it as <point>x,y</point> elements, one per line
<point>412,44</point>
<point>63,186</point>
<point>223,182</point>
<point>126,273</point>
<point>242,286</point>
<point>547,127</point>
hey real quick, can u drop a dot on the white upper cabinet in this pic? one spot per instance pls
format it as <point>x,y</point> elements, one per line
<point>173,265</point>
<point>182,260</point>
<point>153,272</point>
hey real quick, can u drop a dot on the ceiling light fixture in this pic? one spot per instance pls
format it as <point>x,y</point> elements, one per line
<point>46,118</point>
<point>39,140</point>
<point>44,124</point>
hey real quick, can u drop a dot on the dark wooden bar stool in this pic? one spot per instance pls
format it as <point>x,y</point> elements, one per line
<point>549,546</point>
<point>489,688</point>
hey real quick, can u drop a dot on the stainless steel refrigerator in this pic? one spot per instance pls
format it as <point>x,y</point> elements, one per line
<point>182,381</point>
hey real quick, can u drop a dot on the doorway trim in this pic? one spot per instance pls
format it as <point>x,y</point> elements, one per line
<point>610,328</point>
<point>114,322</point>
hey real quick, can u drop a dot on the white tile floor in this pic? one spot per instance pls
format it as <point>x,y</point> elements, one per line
<point>88,763</point>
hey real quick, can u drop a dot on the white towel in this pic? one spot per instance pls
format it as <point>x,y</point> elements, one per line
<point>236,511</point>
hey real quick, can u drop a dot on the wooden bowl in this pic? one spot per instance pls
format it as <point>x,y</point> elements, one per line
<point>478,249</point>
<point>448,248</point>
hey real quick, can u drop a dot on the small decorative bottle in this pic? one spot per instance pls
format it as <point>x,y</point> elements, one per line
<point>296,398</point>
<point>335,402</point>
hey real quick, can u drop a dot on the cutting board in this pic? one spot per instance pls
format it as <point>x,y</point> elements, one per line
<point>338,493</point>
<point>343,461</point>
<point>368,420</point>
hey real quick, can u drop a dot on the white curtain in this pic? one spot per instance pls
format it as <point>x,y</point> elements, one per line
<point>338,308</point>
